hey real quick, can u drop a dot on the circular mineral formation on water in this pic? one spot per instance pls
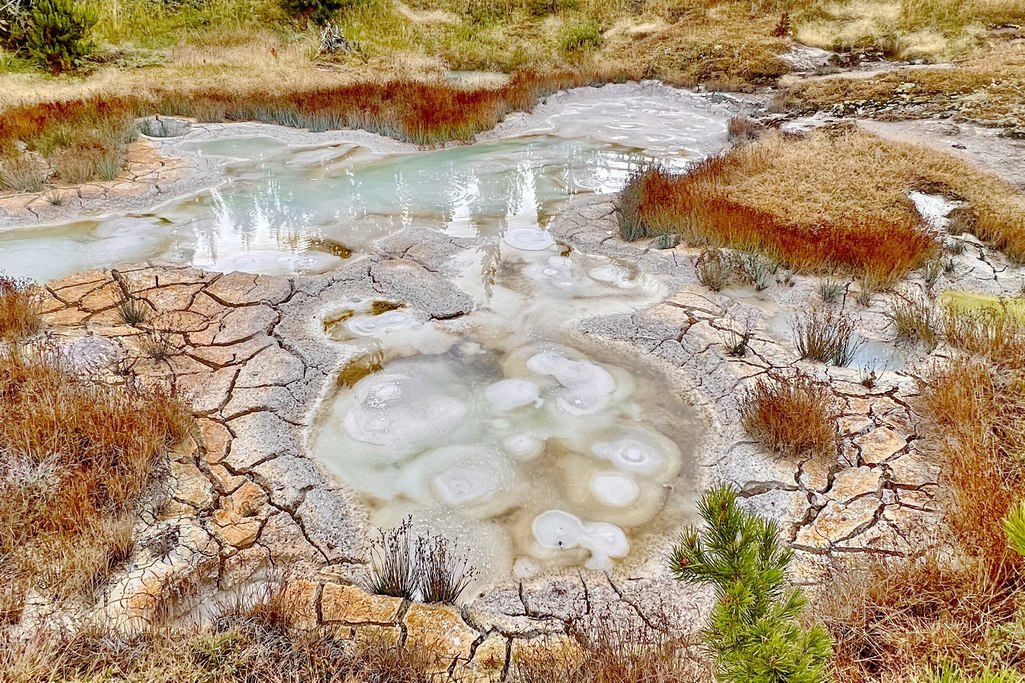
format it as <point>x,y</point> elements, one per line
<point>615,489</point>
<point>550,446</point>
<point>528,239</point>
<point>390,321</point>
<point>508,394</point>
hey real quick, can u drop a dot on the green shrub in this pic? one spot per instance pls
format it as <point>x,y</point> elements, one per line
<point>753,632</point>
<point>57,33</point>
<point>580,36</point>
<point>319,12</point>
<point>487,12</point>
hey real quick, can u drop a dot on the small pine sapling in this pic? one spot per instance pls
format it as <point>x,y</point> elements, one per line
<point>753,634</point>
<point>57,36</point>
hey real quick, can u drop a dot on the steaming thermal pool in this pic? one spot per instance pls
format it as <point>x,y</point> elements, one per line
<point>496,429</point>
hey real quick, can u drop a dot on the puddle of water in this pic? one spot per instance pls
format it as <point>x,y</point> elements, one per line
<point>663,122</point>
<point>253,148</point>
<point>531,458</point>
<point>869,354</point>
<point>872,355</point>
<point>274,213</point>
<point>44,254</point>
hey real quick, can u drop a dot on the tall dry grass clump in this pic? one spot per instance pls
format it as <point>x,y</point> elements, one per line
<point>792,417</point>
<point>605,650</point>
<point>792,199</point>
<point>995,334</point>
<point>75,457</point>
<point>902,618</point>
<point>895,621</point>
<point>826,335</point>
<point>975,408</point>
<point>418,565</point>
<point>18,316</point>
<point>914,320</point>
<point>833,201</point>
<point>976,414</point>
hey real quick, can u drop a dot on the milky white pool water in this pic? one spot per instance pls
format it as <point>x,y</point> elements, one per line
<point>497,431</point>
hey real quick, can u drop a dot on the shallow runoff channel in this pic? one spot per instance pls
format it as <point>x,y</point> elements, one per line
<point>501,430</point>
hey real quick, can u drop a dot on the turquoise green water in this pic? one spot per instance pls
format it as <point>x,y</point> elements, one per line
<point>280,203</point>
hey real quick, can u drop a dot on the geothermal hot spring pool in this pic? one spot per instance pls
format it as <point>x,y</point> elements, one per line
<point>531,450</point>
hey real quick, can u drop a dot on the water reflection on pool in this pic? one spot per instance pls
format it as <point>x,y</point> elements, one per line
<point>280,204</point>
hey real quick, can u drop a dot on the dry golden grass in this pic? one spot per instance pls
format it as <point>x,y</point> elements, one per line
<point>246,646</point>
<point>793,200</point>
<point>74,459</point>
<point>833,201</point>
<point>727,49</point>
<point>18,317</point>
<point>792,417</point>
<point>904,617</point>
<point>905,29</point>
<point>259,645</point>
<point>892,621</point>
<point>609,652</point>
<point>975,412</point>
<point>246,44</point>
<point>996,334</point>
<point>975,409</point>
<point>983,86</point>
<point>249,45</point>
<point>262,51</point>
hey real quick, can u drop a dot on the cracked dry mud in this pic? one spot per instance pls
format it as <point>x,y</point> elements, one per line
<point>245,503</point>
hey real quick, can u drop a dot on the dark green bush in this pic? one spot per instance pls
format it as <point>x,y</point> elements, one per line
<point>753,633</point>
<point>56,33</point>
<point>319,12</point>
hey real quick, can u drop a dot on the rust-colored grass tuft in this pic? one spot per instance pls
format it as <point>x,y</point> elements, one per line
<point>832,201</point>
<point>792,417</point>
<point>18,316</point>
<point>74,458</point>
<point>87,138</point>
<point>704,208</point>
